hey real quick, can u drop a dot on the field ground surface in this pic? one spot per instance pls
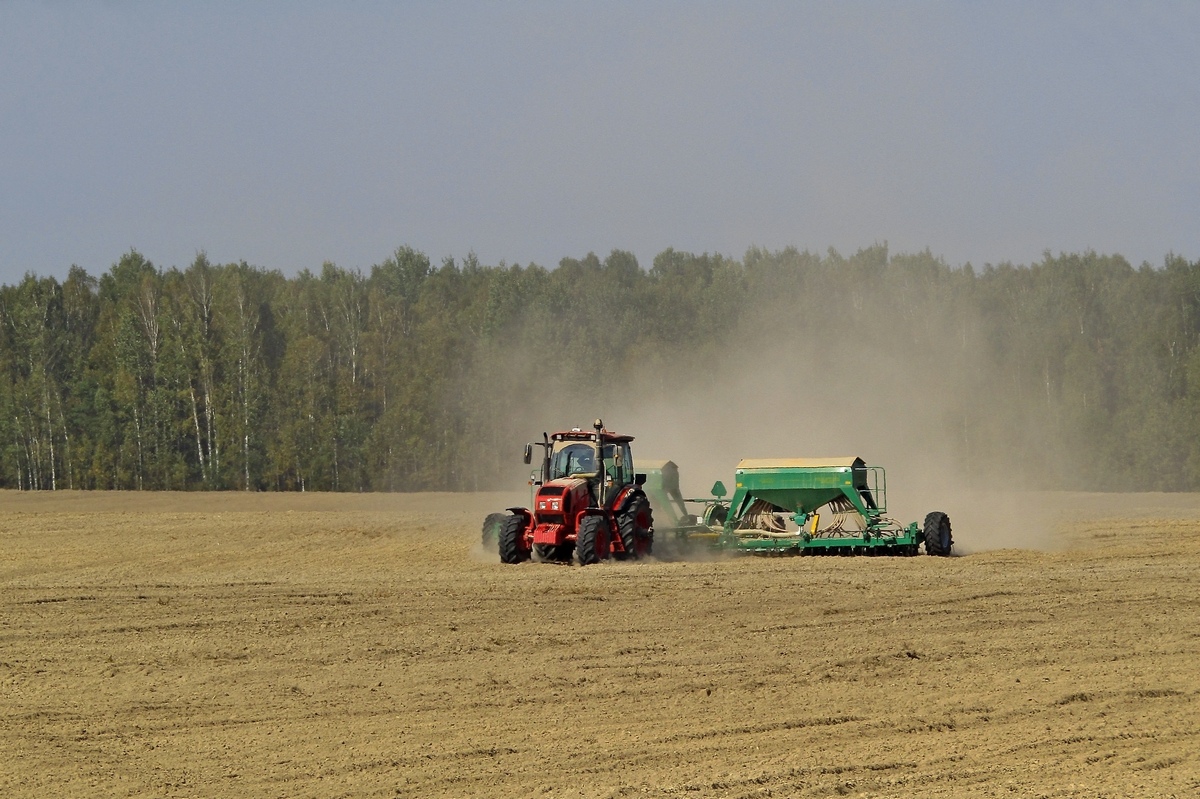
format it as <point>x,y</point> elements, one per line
<point>365,645</point>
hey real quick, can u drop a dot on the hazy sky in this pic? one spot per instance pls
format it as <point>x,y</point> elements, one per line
<point>291,133</point>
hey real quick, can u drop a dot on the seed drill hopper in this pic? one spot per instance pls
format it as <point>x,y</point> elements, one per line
<point>796,506</point>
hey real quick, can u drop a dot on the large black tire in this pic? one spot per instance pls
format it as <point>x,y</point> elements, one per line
<point>591,541</point>
<point>938,540</point>
<point>512,532</point>
<point>491,528</point>
<point>634,525</point>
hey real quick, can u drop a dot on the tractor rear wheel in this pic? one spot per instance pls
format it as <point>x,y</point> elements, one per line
<point>512,534</point>
<point>938,540</point>
<point>633,525</point>
<point>591,542</point>
<point>491,527</point>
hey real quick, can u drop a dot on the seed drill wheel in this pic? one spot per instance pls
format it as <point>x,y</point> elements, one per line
<point>633,525</point>
<point>491,528</point>
<point>512,532</point>
<point>937,534</point>
<point>591,542</point>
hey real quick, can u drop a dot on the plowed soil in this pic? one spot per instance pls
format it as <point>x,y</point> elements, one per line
<point>273,645</point>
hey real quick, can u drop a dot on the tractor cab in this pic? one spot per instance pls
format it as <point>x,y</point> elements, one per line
<point>601,458</point>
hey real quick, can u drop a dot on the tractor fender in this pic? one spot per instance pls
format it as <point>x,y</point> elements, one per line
<point>579,516</point>
<point>622,500</point>
<point>523,513</point>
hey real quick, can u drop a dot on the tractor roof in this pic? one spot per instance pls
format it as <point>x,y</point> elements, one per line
<point>576,434</point>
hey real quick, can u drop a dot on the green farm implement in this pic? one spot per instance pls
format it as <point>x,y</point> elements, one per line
<point>792,506</point>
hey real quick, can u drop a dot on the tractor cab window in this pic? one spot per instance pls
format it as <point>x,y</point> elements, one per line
<point>618,463</point>
<point>608,458</point>
<point>574,459</point>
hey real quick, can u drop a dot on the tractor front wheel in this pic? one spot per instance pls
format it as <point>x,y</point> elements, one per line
<point>512,540</point>
<point>633,525</point>
<point>938,540</point>
<point>591,541</point>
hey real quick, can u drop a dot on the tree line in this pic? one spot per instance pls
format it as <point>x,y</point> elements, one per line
<point>412,376</point>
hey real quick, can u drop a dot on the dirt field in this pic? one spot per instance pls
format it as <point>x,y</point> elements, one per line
<point>315,645</point>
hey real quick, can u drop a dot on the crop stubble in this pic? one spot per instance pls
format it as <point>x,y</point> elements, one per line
<point>329,645</point>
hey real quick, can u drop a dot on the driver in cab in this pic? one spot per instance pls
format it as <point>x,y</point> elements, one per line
<point>578,459</point>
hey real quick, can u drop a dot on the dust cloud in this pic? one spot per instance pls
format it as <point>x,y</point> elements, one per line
<point>481,553</point>
<point>909,400</point>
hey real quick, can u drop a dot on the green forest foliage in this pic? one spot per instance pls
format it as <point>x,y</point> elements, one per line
<point>1081,368</point>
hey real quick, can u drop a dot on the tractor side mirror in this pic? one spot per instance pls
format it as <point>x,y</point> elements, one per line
<point>528,453</point>
<point>718,489</point>
<point>639,479</point>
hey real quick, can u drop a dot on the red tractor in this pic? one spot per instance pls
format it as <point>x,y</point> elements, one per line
<point>587,503</point>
